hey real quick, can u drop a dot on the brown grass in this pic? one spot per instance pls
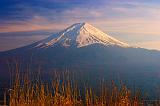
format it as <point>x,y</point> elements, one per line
<point>63,92</point>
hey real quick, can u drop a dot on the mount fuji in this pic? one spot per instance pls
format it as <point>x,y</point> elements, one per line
<point>80,35</point>
<point>84,48</point>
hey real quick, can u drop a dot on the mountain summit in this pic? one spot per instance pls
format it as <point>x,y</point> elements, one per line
<point>80,35</point>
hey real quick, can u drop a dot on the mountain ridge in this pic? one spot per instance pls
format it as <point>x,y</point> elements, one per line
<point>80,35</point>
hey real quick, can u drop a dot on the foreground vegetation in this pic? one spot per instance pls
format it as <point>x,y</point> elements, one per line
<point>63,92</point>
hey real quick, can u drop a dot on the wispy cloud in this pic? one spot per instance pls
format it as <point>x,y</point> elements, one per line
<point>124,17</point>
<point>154,45</point>
<point>36,23</point>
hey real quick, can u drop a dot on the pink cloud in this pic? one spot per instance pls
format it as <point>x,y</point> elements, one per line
<point>36,23</point>
<point>150,45</point>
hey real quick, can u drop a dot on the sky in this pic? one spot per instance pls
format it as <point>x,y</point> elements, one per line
<point>136,22</point>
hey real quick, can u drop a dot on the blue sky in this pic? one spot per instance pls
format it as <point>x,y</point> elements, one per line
<point>134,21</point>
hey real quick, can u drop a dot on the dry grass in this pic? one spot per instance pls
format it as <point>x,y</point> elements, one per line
<point>63,92</point>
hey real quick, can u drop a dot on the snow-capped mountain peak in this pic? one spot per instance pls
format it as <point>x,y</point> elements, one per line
<point>80,35</point>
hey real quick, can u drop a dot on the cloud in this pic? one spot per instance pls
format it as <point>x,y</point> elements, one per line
<point>154,45</point>
<point>18,41</point>
<point>129,17</point>
<point>36,23</point>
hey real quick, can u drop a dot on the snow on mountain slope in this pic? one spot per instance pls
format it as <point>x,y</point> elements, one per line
<point>80,35</point>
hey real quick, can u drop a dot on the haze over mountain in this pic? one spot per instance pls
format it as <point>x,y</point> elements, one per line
<point>82,47</point>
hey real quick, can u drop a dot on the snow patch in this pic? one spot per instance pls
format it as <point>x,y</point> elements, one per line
<point>80,34</point>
